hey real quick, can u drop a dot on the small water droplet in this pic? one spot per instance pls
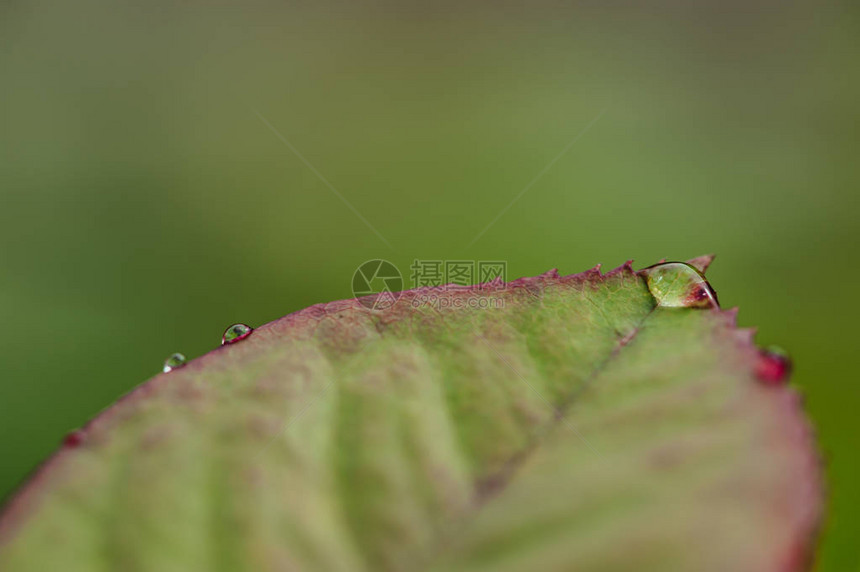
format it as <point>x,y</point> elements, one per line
<point>679,285</point>
<point>175,361</point>
<point>74,438</point>
<point>235,333</point>
<point>773,366</point>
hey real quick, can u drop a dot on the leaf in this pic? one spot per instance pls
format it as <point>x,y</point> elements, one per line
<point>570,425</point>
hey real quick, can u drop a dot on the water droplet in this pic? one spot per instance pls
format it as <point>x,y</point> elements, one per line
<point>235,333</point>
<point>679,285</point>
<point>74,438</point>
<point>773,366</point>
<point>175,361</point>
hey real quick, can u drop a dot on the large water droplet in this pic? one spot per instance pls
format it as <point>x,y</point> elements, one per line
<point>679,285</point>
<point>175,361</point>
<point>235,333</point>
<point>773,366</point>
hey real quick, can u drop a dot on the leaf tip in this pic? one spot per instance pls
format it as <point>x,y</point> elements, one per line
<point>745,336</point>
<point>730,316</point>
<point>701,263</point>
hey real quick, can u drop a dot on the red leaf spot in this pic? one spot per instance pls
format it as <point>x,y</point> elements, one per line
<point>74,439</point>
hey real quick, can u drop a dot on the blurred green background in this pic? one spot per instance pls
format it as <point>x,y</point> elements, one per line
<point>144,205</point>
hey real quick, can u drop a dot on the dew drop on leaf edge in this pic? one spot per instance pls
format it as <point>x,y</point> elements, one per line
<point>679,285</point>
<point>175,361</point>
<point>773,366</point>
<point>235,333</point>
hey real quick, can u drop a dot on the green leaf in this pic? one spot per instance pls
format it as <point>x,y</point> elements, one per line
<point>551,423</point>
